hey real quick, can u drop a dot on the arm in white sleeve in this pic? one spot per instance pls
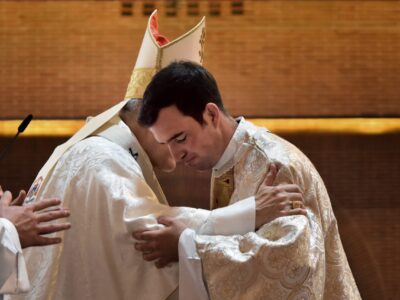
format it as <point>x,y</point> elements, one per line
<point>238,218</point>
<point>13,274</point>
<point>191,284</point>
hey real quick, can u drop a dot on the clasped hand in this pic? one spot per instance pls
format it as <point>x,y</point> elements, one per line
<point>161,244</point>
<point>272,202</point>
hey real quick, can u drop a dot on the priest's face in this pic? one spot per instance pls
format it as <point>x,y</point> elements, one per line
<point>196,145</point>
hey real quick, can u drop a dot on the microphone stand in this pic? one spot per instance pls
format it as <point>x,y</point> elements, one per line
<point>21,128</point>
<point>8,147</point>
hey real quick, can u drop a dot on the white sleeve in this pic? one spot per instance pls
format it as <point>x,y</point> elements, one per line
<point>13,274</point>
<point>191,284</point>
<point>238,218</point>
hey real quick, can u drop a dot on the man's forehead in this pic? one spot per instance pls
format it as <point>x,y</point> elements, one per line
<point>163,134</point>
<point>170,122</point>
<point>169,119</point>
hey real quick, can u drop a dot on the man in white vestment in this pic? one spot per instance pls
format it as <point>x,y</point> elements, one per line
<point>104,174</point>
<point>21,227</point>
<point>292,257</point>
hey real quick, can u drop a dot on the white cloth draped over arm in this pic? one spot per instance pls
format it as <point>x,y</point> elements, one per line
<point>13,276</point>
<point>238,218</point>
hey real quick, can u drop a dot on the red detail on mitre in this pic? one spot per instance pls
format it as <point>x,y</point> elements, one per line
<point>161,40</point>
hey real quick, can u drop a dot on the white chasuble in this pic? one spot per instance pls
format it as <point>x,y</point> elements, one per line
<point>97,180</point>
<point>294,257</point>
<point>108,183</point>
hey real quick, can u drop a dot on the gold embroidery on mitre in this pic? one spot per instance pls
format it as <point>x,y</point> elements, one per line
<point>139,80</point>
<point>159,59</point>
<point>223,188</point>
<point>202,42</point>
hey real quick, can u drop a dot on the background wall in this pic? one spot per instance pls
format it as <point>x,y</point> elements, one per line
<point>70,59</point>
<point>361,174</point>
<point>74,58</point>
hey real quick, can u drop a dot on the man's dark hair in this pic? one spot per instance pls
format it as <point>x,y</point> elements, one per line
<point>184,84</point>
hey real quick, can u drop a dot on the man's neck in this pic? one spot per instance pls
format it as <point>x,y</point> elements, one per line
<point>228,128</point>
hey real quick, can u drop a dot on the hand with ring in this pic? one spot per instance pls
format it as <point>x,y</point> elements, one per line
<point>277,201</point>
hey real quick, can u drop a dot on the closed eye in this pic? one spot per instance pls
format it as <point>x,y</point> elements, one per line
<point>180,139</point>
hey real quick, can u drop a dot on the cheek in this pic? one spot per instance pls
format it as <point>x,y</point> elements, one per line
<point>203,143</point>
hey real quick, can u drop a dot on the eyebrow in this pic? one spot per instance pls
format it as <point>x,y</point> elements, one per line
<point>173,137</point>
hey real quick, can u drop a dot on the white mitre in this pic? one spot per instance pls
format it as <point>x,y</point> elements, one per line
<point>155,53</point>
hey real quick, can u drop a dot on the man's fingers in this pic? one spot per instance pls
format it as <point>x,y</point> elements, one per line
<point>52,215</point>
<point>145,247</point>
<point>42,204</point>
<point>167,221</point>
<point>298,202</point>
<point>137,235</point>
<point>20,199</point>
<point>50,228</point>
<point>290,188</point>
<point>285,205</point>
<point>6,198</point>
<point>45,241</point>
<point>151,256</point>
<point>55,208</point>
<point>296,211</point>
<point>147,235</point>
<point>291,202</point>
<point>271,175</point>
<point>293,198</point>
<point>161,263</point>
<point>296,197</point>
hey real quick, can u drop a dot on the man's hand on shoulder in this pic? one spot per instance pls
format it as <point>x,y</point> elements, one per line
<point>161,244</point>
<point>277,201</point>
<point>29,219</point>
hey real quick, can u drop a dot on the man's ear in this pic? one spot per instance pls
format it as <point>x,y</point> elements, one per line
<point>212,114</point>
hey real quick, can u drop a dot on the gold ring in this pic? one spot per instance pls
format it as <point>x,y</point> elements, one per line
<point>296,204</point>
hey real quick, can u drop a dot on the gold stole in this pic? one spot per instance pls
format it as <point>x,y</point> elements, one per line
<point>223,187</point>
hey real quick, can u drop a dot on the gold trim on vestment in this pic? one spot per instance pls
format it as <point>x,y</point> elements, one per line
<point>223,187</point>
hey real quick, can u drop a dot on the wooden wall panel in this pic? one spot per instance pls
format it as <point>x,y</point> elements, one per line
<point>71,59</point>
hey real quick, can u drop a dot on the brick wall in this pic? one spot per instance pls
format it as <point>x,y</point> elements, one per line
<point>74,58</point>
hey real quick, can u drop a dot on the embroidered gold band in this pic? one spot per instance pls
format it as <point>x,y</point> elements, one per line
<point>223,188</point>
<point>139,80</point>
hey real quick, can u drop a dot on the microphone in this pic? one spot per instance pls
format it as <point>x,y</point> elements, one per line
<point>21,129</point>
<point>24,124</point>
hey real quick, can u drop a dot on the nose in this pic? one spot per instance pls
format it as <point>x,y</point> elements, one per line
<point>178,152</point>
